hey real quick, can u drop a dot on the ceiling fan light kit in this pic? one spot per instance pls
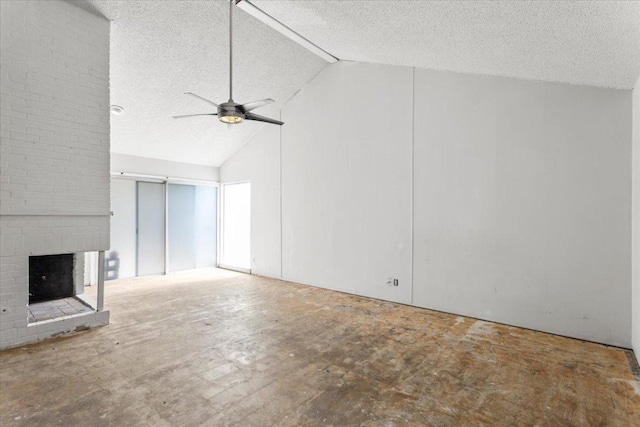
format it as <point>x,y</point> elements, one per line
<point>229,115</point>
<point>231,112</point>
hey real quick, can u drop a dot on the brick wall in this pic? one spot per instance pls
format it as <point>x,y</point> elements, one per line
<point>54,152</point>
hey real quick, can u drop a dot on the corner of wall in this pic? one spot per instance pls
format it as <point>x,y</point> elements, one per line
<point>635,224</point>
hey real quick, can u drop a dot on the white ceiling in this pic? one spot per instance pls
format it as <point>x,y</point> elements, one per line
<point>581,42</point>
<point>161,49</point>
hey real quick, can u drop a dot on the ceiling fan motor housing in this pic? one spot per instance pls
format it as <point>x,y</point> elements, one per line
<point>230,112</point>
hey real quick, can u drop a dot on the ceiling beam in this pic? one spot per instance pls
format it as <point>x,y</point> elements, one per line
<point>258,13</point>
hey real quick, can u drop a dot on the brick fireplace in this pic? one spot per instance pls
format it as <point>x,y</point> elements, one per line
<point>54,160</point>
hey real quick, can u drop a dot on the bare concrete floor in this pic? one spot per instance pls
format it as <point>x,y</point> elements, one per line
<point>215,348</point>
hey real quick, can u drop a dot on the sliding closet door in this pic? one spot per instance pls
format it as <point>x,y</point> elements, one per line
<point>182,250</point>
<point>192,226</point>
<point>206,221</point>
<point>150,219</point>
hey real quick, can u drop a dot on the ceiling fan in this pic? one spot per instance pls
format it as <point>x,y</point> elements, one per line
<point>231,112</point>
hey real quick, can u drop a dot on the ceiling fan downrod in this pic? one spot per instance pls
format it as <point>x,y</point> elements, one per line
<point>231,50</point>
<point>231,112</point>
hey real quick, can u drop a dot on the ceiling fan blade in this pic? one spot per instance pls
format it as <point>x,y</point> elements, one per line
<point>193,115</point>
<point>204,99</point>
<point>257,118</point>
<point>257,104</point>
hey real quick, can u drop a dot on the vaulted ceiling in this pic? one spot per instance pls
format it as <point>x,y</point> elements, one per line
<point>161,49</point>
<point>580,42</point>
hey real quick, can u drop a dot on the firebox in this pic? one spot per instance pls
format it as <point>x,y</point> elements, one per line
<point>50,277</point>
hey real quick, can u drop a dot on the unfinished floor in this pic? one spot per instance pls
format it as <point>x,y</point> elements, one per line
<point>216,348</point>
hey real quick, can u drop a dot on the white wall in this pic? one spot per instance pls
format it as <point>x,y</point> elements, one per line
<point>54,166</point>
<point>522,203</point>
<point>636,221</point>
<point>515,195</point>
<point>147,166</point>
<point>346,181</point>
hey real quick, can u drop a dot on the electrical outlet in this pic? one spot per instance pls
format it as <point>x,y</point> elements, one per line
<point>395,282</point>
<point>392,282</point>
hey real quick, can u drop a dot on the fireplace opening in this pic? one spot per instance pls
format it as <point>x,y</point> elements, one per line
<point>50,277</point>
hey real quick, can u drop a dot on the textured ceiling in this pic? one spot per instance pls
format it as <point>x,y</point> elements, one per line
<point>580,42</point>
<point>161,49</point>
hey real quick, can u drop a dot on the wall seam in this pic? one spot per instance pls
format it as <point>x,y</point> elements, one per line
<point>280,194</point>
<point>413,121</point>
